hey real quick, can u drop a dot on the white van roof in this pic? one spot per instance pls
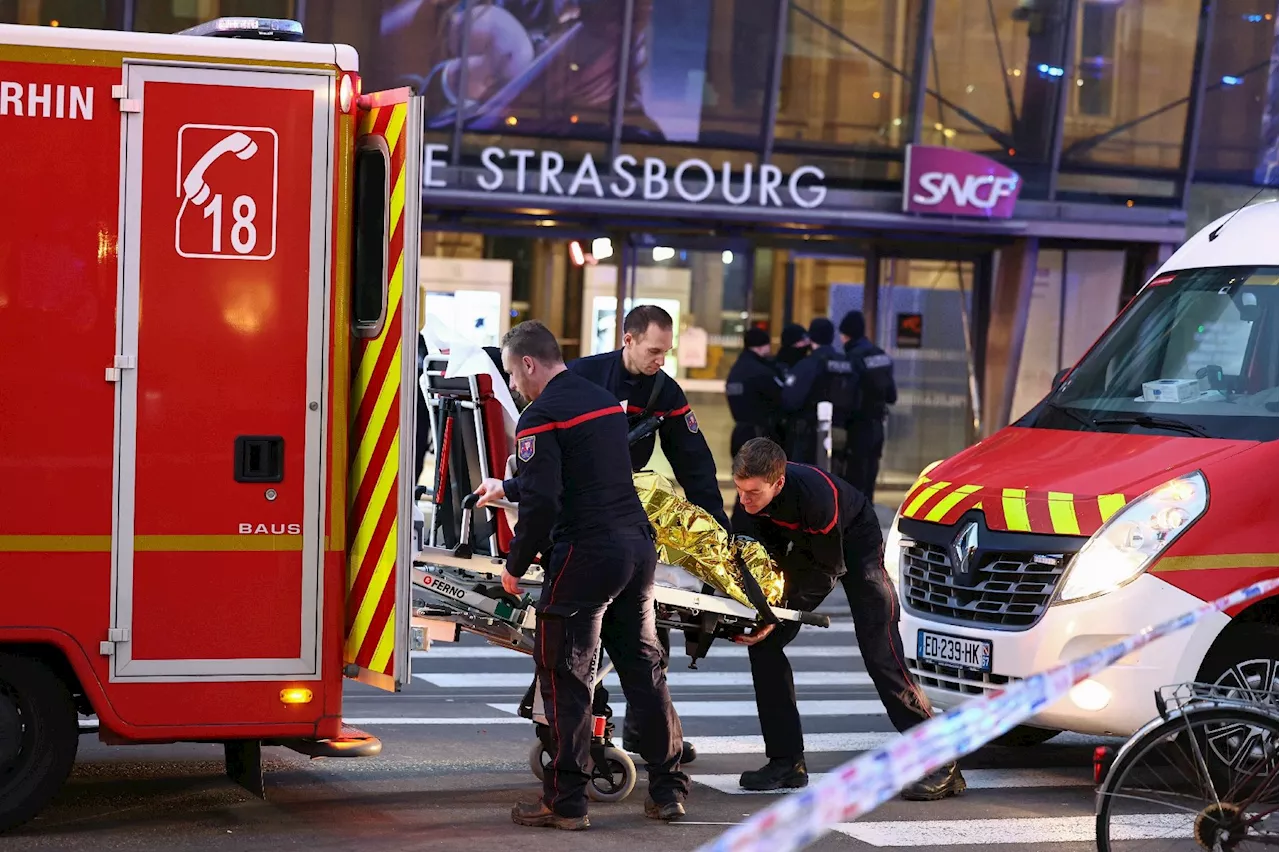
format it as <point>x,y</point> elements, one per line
<point>1252,238</point>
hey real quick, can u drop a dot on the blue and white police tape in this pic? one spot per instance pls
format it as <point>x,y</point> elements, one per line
<point>874,777</point>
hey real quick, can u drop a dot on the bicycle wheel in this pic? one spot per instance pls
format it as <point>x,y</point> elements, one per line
<point>1203,780</point>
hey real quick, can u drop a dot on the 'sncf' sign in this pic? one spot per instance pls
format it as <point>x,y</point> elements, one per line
<point>951,182</point>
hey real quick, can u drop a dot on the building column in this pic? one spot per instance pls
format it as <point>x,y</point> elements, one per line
<point>1006,330</point>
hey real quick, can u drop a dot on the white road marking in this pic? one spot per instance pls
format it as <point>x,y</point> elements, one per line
<point>438,720</point>
<point>495,680</point>
<point>739,709</point>
<point>813,743</point>
<point>1038,831</point>
<point>976,779</point>
<point>724,650</point>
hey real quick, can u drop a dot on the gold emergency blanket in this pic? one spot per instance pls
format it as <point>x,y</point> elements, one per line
<point>689,537</point>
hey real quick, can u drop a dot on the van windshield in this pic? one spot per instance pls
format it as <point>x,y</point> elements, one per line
<point>1194,355</point>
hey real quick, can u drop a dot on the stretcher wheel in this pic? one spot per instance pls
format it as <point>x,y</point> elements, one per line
<point>538,759</point>
<point>615,779</point>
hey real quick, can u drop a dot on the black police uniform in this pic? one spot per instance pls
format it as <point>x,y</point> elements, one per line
<point>682,441</point>
<point>834,536</point>
<point>580,510</point>
<point>876,392</point>
<point>754,390</point>
<point>826,375</point>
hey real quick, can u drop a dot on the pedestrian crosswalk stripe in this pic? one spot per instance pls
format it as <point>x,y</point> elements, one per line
<point>813,743</point>
<point>467,721</point>
<point>976,779</point>
<point>494,680</point>
<point>737,709</point>
<point>1038,831</point>
<point>719,651</point>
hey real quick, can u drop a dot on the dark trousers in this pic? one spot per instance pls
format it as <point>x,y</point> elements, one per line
<point>875,620</point>
<point>601,591</point>
<point>865,446</point>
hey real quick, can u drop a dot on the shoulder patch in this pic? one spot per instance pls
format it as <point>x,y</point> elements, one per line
<point>525,447</point>
<point>691,421</point>
<point>876,362</point>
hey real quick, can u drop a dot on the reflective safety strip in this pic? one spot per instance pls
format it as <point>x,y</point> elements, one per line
<point>1062,514</point>
<point>374,485</point>
<point>949,502</point>
<point>924,497</point>
<point>1217,561</point>
<point>1109,504</point>
<point>1015,510</point>
<point>151,543</point>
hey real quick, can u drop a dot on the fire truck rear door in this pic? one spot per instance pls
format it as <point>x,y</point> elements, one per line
<point>388,223</point>
<point>220,371</point>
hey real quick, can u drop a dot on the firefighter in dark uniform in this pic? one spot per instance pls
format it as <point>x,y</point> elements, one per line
<point>825,375</point>
<point>754,390</point>
<point>633,375</point>
<point>864,444</point>
<point>578,507</point>
<point>821,531</point>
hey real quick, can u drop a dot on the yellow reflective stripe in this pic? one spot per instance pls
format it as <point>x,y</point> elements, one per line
<point>151,543</point>
<point>372,595</point>
<point>1015,510</point>
<point>946,504</point>
<point>369,522</point>
<point>1218,561</point>
<point>1109,504</point>
<point>1062,513</point>
<point>386,644</point>
<point>923,497</point>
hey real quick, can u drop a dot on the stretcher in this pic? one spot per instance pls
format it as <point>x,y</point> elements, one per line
<point>461,553</point>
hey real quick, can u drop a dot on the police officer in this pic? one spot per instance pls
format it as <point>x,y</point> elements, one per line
<point>826,375</point>
<point>794,345</point>
<point>821,531</point>
<point>754,389</point>
<point>634,376</point>
<point>578,507</point>
<point>876,392</point>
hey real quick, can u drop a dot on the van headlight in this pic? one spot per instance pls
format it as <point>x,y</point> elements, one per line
<point>893,551</point>
<point>1134,537</point>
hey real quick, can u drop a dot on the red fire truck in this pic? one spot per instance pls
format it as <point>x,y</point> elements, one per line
<point>203,523</point>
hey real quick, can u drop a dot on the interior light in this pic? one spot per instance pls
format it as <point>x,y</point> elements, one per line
<point>661,253</point>
<point>727,257</point>
<point>602,248</point>
<point>575,253</point>
<point>295,695</point>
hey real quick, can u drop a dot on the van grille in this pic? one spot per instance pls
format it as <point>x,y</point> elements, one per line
<point>1009,590</point>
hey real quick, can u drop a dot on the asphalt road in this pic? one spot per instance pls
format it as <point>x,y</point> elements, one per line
<point>455,758</point>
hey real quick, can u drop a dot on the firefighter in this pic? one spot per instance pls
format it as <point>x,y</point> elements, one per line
<point>821,530</point>
<point>864,442</point>
<point>633,375</point>
<point>825,375</point>
<point>754,390</point>
<point>578,507</point>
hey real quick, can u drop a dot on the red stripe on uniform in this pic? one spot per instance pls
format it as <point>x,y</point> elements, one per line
<point>569,424</point>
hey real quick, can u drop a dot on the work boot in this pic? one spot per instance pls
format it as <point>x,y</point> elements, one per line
<point>942,782</point>
<point>538,815</point>
<point>668,812</point>
<point>781,772</point>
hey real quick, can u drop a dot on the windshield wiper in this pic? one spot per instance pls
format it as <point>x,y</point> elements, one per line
<point>1091,425</point>
<point>1149,422</point>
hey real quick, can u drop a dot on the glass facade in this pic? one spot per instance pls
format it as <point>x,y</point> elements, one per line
<point>1117,101</point>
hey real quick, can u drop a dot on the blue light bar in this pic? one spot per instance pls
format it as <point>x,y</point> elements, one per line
<point>268,29</point>
<point>1050,70</point>
<point>1232,81</point>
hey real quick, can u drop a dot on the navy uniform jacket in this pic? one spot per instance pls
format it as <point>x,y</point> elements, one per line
<point>682,441</point>
<point>568,482</point>
<point>810,514</point>
<point>875,376</point>
<point>754,389</point>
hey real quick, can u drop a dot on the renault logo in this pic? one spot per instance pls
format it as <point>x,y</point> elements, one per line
<point>963,549</point>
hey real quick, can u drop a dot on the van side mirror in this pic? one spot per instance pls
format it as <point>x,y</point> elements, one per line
<point>1060,377</point>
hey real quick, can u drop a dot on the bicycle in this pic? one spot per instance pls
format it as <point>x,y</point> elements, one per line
<point>1214,752</point>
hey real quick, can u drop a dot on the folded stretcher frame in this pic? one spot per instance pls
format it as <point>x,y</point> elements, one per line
<point>457,574</point>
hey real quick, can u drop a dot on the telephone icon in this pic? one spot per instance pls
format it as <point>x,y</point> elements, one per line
<point>193,186</point>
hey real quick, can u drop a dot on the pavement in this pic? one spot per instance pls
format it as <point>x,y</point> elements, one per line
<point>455,758</point>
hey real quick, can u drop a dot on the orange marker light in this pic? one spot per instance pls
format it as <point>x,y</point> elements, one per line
<point>295,695</point>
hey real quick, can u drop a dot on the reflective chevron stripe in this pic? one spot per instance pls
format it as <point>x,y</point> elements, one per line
<point>1011,509</point>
